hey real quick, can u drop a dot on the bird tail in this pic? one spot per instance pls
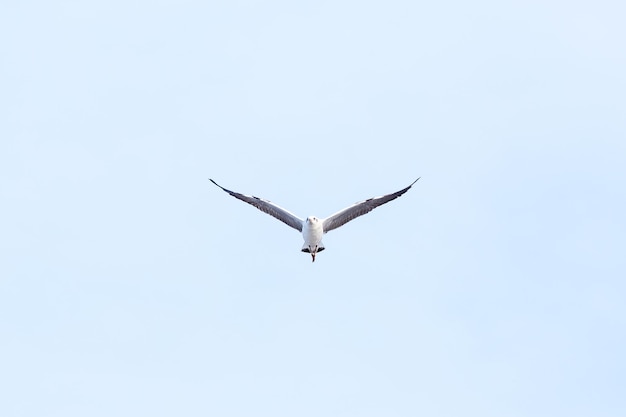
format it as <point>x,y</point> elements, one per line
<point>320,247</point>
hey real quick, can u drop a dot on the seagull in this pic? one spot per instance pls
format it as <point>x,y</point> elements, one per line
<point>313,228</point>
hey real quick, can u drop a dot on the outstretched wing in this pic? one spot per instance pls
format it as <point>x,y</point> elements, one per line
<point>267,207</point>
<point>358,209</point>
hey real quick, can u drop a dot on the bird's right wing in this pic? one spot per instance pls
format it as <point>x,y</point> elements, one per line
<point>358,209</point>
<point>268,207</point>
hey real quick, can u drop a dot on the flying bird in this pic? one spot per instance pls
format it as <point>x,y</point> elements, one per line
<point>313,228</point>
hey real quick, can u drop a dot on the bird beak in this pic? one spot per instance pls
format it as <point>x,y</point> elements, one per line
<point>313,256</point>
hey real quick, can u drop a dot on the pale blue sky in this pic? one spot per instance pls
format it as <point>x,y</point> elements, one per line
<point>130,285</point>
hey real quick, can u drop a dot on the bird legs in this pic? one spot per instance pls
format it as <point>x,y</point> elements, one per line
<point>313,250</point>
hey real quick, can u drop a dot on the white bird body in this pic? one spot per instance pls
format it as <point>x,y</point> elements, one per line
<point>312,233</point>
<point>313,229</point>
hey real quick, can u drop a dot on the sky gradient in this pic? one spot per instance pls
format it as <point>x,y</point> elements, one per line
<point>130,285</point>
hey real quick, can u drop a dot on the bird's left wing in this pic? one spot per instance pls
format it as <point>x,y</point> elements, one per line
<point>358,209</point>
<point>268,207</point>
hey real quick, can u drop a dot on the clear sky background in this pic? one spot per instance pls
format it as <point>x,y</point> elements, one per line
<point>130,285</point>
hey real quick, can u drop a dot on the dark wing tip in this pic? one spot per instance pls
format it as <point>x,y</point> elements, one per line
<point>409,185</point>
<point>228,191</point>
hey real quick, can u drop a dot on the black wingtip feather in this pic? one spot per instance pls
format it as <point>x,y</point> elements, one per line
<point>228,191</point>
